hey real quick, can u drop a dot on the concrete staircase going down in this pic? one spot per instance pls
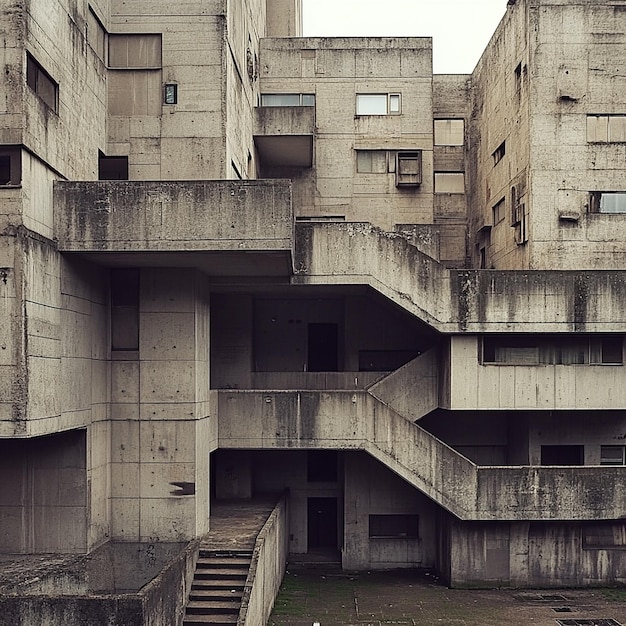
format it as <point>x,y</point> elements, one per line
<point>217,587</point>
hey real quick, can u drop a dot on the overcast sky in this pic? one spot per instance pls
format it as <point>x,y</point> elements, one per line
<point>460,28</point>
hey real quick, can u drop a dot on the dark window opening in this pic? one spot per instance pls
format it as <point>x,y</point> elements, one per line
<point>125,309</point>
<point>394,525</point>
<point>112,167</point>
<point>563,455</point>
<point>170,93</point>
<point>322,466</point>
<point>10,166</point>
<point>41,83</point>
<point>323,347</point>
<point>499,153</point>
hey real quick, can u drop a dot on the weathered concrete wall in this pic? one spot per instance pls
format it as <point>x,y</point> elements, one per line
<point>413,390</point>
<point>372,489</point>
<point>269,561</point>
<point>162,427</point>
<point>284,18</point>
<point>502,386</point>
<point>335,70</point>
<point>194,216</point>
<point>530,555</point>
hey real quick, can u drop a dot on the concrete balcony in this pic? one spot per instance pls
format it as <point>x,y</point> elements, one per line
<point>284,135</point>
<point>224,227</point>
<point>355,420</point>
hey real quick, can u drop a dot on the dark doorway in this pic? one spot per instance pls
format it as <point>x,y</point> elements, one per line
<point>323,348</point>
<point>322,523</point>
<point>562,455</point>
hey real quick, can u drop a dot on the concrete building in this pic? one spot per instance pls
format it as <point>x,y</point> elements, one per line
<point>235,261</point>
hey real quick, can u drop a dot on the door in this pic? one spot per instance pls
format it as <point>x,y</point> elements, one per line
<point>323,347</point>
<point>322,524</point>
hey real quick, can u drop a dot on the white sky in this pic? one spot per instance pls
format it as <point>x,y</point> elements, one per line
<point>460,28</point>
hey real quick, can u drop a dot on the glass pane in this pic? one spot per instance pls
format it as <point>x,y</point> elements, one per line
<point>613,202</point>
<point>280,100</point>
<point>371,104</point>
<point>449,182</point>
<point>394,103</point>
<point>449,132</point>
<point>617,128</point>
<point>308,100</point>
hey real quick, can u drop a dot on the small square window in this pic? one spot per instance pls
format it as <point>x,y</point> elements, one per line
<point>449,132</point>
<point>170,93</point>
<point>612,455</point>
<point>10,166</point>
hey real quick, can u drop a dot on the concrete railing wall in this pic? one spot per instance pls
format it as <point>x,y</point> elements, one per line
<point>314,380</point>
<point>269,560</point>
<point>358,421</point>
<point>133,216</point>
<point>412,390</point>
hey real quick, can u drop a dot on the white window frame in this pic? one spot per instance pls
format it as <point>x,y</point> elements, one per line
<point>386,104</point>
<point>297,99</point>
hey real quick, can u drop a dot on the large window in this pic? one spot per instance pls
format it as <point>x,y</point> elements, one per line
<point>449,182</point>
<point>552,350</point>
<point>287,100</point>
<point>42,83</point>
<point>135,76</point>
<point>606,128</point>
<point>449,132</point>
<point>378,104</point>
<point>608,202</point>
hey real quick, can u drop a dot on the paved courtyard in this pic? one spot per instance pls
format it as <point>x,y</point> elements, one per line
<point>416,599</point>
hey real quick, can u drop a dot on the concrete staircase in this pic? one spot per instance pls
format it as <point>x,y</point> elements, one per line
<point>217,587</point>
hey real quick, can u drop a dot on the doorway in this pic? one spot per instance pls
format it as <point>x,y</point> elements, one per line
<point>323,347</point>
<point>322,524</point>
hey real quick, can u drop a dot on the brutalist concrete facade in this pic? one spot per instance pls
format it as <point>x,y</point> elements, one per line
<point>235,261</point>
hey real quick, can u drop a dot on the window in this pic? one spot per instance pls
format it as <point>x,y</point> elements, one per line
<point>552,350</point>
<point>129,52</point>
<point>449,182</point>
<point>371,161</point>
<point>135,86</point>
<point>125,309</point>
<point>449,132</point>
<point>612,455</point>
<point>112,167</point>
<point>170,93</point>
<point>287,100</point>
<point>408,168</point>
<point>499,153</point>
<point>563,455</point>
<point>604,535</point>
<point>498,211</point>
<point>607,202</point>
<point>96,35</point>
<point>378,104</point>
<point>394,525</point>
<point>10,166</point>
<point>606,128</point>
<point>42,83</point>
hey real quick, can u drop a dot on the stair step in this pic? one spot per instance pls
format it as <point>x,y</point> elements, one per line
<point>215,619</point>
<point>224,574</point>
<point>225,554</point>
<point>204,607</point>
<point>214,561</point>
<point>225,595</point>
<point>217,584</point>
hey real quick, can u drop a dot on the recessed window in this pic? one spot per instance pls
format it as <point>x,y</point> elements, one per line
<point>563,455</point>
<point>612,455</point>
<point>42,83</point>
<point>449,182</point>
<point>498,210</point>
<point>125,309</point>
<point>604,535</point>
<point>170,93</point>
<point>287,100</point>
<point>96,35</point>
<point>408,168</point>
<point>499,153</point>
<point>10,166</point>
<point>394,526</point>
<point>135,51</point>
<point>606,128</point>
<point>112,167</point>
<point>607,202</point>
<point>371,161</point>
<point>378,104</point>
<point>449,132</point>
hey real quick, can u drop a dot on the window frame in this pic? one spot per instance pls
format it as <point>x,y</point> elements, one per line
<point>13,155</point>
<point>595,202</point>
<point>408,521</point>
<point>498,153</point>
<point>440,175</point>
<point>304,100</point>
<point>389,100</point>
<point>41,82</point>
<point>604,460</point>
<point>411,176</point>
<point>601,124</point>
<point>449,133</point>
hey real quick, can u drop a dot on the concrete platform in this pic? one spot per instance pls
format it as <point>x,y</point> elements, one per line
<point>417,599</point>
